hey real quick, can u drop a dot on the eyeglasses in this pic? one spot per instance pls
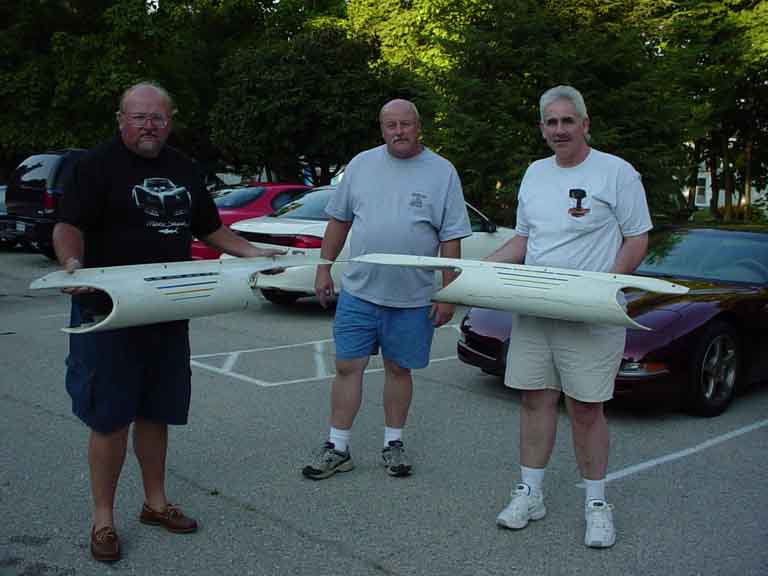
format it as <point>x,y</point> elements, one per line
<point>139,120</point>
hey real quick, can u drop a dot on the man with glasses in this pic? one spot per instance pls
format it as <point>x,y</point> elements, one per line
<point>134,200</point>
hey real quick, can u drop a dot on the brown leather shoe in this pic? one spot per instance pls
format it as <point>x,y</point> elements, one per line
<point>105,546</point>
<point>172,518</point>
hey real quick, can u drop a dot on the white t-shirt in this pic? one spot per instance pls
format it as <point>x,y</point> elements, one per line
<point>560,235</point>
<point>398,206</point>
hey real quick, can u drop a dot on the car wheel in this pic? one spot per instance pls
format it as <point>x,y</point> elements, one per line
<point>279,297</point>
<point>715,370</point>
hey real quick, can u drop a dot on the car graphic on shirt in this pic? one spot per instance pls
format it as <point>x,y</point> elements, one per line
<point>166,206</point>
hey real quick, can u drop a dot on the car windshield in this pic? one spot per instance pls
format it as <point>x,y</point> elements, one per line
<point>311,206</point>
<point>237,197</point>
<point>719,255</point>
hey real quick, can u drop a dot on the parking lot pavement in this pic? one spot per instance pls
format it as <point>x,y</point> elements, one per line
<point>688,493</point>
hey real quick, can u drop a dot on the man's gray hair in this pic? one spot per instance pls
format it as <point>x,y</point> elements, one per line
<point>567,92</point>
<point>408,103</point>
<point>149,84</point>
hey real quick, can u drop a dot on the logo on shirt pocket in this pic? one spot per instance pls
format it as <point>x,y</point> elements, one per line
<point>579,202</point>
<point>417,200</point>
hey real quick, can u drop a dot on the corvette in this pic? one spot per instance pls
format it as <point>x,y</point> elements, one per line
<point>705,345</point>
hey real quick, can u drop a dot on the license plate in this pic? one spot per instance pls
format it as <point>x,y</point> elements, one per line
<point>20,226</point>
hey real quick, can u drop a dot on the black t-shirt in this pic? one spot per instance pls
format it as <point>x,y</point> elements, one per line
<point>135,210</point>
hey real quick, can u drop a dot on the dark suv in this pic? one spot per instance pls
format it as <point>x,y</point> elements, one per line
<point>33,194</point>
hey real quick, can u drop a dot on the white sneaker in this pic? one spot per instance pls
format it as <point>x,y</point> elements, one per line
<point>600,532</point>
<point>523,507</point>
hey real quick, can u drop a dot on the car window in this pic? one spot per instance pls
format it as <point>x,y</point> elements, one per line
<point>283,198</point>
<point>719,255</point>
<point>37,171</point>
<point>311,206</point>
<point>237,197</point>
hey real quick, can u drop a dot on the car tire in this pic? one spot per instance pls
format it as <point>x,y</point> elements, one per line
<point>279,297</point>
<point>715,370</point>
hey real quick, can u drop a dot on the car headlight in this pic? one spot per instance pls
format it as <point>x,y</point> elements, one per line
<point>630,369</point>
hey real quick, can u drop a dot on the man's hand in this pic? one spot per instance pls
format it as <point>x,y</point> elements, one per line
<point>270,253</point>
<point>70,265</point>
<point>324,285</point>
<point>441,313</point>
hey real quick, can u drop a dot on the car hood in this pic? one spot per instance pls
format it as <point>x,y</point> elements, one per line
<point>281,226</point>
<point>658,310</point>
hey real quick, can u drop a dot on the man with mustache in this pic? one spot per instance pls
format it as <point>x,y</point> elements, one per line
<point>133,200</point>
<point>581,209</point>
<point>398,198</point>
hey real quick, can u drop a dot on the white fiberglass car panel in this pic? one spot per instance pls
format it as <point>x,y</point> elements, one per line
<point>534,290</point>
<point>485,239</point>
<point>151,293</point>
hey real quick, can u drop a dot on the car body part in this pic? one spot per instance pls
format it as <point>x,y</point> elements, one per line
<point>151,293</point>
<point>534,290</point>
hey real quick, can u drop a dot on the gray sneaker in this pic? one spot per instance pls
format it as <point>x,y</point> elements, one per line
<point>327,461</point>
<point>394,458</point>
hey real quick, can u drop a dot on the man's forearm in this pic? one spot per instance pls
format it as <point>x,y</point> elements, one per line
<point>450,249</point>
<point>513,251</point>
<point>69,244</point>
<point>333,240</point>
<point>224,240</point>
<point>631,253</point>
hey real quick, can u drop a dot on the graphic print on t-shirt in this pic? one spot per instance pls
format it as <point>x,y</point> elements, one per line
<point>166,207</point>
<point>579,202</point>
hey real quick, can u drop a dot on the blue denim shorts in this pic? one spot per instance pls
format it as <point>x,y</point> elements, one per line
<point>115,376</point>
<point>361,327</point>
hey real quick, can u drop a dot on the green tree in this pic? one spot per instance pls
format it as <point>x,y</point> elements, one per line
<point>513,51</point>
<point>719,53</point>
<point>306,100</point>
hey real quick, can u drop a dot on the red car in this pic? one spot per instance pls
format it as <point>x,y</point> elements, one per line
<point>703,347</point>
<point>259,199</point>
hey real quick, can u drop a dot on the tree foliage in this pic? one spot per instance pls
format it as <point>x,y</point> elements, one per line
<point>298,83</point>
<point>310,99</point>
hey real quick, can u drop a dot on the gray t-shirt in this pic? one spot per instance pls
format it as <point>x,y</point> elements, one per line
<point>398,206</point>
<point>561,236</point>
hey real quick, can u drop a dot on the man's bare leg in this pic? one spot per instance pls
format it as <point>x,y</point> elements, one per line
<point>106,455</point>
<point>150,443</point>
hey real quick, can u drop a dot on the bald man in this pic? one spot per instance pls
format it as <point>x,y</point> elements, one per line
<point>397,198</point>
<point>133,200</point>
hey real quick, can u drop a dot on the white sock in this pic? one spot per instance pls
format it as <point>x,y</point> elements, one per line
<point>595,490</point>
<point>340,438</point>
<point>532,477</point>
<point>391,434</point>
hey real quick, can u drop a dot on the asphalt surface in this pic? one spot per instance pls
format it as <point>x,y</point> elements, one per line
<point>689,493</point>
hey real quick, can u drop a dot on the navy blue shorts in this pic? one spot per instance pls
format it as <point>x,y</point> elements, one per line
<point>404,334</point>
<point>119,375</point>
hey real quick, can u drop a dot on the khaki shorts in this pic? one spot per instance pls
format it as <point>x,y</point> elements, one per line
<point>580,359</point>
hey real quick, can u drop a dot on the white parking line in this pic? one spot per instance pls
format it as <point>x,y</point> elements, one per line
<point>227,371</point>
<point>267,349</point>
<point>320,355</point>
<point>683,453</point>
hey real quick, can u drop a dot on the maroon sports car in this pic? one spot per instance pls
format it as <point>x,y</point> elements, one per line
<point>704,346</point>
